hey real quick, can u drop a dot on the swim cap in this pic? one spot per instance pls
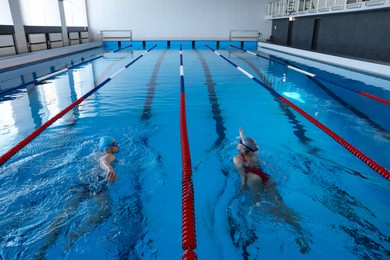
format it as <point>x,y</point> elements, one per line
<point>249,144</point>
<point>105,142</point>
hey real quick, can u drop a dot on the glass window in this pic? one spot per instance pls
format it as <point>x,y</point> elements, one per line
<point>40,12</point>
<point>75,13</point>
<point>5,13</point>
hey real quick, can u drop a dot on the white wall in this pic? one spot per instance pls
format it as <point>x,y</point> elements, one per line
<point>178,19</point>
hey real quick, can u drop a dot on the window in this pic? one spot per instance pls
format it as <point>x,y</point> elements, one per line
<point>40,12</point>
<point>75,13</point>
<point>5,13</point>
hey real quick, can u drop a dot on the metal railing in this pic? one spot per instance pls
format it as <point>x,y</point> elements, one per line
<point>116,35</point>
<point>245,35</point>
<point>283,8</point>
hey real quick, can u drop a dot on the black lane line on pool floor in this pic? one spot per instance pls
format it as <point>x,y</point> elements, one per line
<point>300,131</point>
<point>213,99</point>
<point>135,213</point>
<point>151,89</point>
<point>345,205</point>
<point>241,234</point>
<point>235,226</point>
<point>216,111</point>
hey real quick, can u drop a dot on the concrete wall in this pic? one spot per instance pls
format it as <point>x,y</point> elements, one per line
<point>363,35</point>
<point>178,20</point>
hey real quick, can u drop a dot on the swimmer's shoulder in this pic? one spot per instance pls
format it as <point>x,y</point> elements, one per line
<point>238,160</point>
<point>107,157</point>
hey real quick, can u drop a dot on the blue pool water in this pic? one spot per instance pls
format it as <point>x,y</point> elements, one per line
<point>340,203</point>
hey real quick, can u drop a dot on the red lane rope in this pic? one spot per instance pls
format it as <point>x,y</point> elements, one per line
<point>188,207</point>
<point>5,157</point>
<point>374,165</point>
<point>385,101</point>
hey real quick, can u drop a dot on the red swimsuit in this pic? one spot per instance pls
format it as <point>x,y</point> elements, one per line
<point>257,171</point>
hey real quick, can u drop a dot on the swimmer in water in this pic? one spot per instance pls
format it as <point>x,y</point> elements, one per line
<point>97,191</point>
<point>109,146</point>
<point>262,187</point>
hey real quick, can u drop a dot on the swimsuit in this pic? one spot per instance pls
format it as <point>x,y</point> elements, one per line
<point>96,186</point>
<point>257,171</point>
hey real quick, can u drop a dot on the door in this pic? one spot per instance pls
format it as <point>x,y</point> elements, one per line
<point>290,31</point>
<point>314,39</point>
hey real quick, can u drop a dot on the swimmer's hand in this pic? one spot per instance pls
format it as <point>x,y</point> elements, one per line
<point>111,176</point>
<point>242,136</point>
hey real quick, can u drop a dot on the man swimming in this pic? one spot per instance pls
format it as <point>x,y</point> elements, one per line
<point>96,189</point>
<point>109,146</point>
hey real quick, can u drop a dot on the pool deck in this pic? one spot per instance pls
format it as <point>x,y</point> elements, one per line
<point>13,61</point>
<point>359,65</point>
<point>10,62</point>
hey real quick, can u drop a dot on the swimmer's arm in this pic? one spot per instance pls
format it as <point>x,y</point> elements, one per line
<point>241,171</point>
<point>105,164</point>
<point>242,136</point>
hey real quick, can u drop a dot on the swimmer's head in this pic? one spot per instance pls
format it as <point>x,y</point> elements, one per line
<point>106,142</point>
<point>249,144</point>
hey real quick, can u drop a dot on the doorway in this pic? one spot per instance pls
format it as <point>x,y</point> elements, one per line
<point>290,31</point>
<point>314,39</point>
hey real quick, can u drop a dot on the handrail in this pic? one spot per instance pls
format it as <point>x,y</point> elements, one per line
<point>285,8</point>
<point>367,160</point>
<point>244,35</point>
<point>116,35</point>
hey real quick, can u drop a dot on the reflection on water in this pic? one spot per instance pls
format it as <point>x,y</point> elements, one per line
<point>24,111</point>
<point>294,95</point>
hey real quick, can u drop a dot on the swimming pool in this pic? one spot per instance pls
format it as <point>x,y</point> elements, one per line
<point>341,204</point>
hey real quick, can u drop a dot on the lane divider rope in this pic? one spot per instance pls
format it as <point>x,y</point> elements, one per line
<point>370,162</point>
<point>188,208</point>
<point>5,157</point>
<point>365,94</point>
<point>37,80</point>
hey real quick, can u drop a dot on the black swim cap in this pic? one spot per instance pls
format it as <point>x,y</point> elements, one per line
<point>249,144</point>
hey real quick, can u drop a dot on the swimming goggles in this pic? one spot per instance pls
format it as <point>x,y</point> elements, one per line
<point>115,144</point>
<point>247,147</point>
